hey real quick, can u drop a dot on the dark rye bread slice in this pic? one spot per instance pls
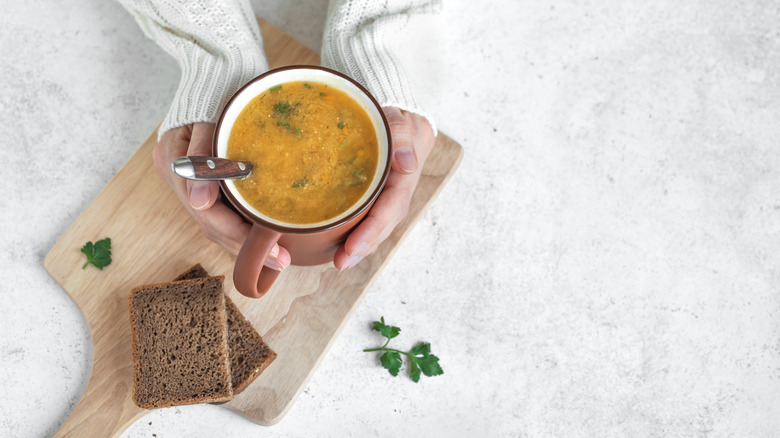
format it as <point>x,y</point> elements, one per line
<point>179,342</point>
<point>249,354</point>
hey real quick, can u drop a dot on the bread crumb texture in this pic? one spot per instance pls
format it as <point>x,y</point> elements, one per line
<point>249,354</point>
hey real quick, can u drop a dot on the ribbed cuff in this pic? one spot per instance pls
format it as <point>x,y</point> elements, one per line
<point>381,70</point>
<point>208,82</point>
<point>364,53</point>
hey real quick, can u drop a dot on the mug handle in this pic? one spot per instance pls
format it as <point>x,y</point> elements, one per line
<point>250,276</point>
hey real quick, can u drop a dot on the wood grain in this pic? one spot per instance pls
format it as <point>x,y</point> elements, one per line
<point>154,239</point>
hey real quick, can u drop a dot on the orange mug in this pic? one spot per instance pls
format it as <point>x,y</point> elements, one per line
<point>308,244</point>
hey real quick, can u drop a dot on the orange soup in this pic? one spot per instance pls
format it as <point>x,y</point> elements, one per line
<point>313,148</point>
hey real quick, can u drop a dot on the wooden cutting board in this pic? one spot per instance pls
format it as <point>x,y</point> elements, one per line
<point>154,239</point>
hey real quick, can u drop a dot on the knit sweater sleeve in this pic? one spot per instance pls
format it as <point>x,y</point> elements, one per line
<point>358,42</point>
<point>217,45</point>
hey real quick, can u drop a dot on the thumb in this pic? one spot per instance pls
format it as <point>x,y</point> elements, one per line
<point>404,156</point>
<point>202,194</point>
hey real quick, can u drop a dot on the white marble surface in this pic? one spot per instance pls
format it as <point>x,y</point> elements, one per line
<point>604,263</point>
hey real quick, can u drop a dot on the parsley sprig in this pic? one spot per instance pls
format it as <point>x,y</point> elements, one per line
<point>419,357</point>
<point>98,254</point>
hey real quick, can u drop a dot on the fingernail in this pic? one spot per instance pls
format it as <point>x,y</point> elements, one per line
<point>274,264</point>
<point>199,195</point>
<point>351,261</point>
<point>406,159</point>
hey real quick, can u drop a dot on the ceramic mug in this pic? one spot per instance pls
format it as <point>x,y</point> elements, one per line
<point>308,244</point>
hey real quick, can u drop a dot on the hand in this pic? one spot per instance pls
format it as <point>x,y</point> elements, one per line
<point>413,141</point>
<point>202,198</point>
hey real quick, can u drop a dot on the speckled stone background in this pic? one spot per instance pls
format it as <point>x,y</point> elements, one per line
<point>606,261</point>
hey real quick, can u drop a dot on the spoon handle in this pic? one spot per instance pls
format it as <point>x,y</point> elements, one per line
<point>210,168</point>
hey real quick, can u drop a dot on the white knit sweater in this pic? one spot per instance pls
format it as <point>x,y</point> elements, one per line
<point>218,46</point>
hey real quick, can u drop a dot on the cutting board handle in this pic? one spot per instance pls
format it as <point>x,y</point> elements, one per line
<point>106,409</point>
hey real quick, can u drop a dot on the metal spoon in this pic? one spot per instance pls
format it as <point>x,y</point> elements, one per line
<point>210,168</point>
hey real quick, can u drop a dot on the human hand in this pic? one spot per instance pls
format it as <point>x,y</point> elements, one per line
<point>202,198</point>
<point>413,141</point>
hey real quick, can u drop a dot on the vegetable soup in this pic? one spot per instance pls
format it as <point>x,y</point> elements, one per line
<point>313,148</point>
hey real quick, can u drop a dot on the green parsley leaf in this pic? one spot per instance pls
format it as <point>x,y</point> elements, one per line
<point>392,361</point>
<point>414,371</point>
<point>282,107</point>
<point>300,183</point>
<point>423,348</point>
<point>419,358</point>
<point>275,88</point>
<point>387,331</point>
<point>98,254</point>
<point>430,365</point>
<point>359,177</point>
<point>360,174</point>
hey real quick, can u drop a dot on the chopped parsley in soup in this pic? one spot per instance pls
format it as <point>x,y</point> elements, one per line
<point>313,148</point>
